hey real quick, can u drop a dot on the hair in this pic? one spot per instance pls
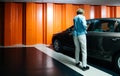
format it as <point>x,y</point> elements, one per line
<point>80,11</point>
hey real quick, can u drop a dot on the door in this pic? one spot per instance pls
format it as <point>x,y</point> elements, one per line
<point>102,40</point>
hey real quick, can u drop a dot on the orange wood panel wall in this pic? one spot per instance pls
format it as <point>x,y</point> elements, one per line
<point>13,24</point>
<point>117,14</point>
<point>35,23</point>
<point>16,23</point>
<point>44,22</point>
<point>49,22</point>
<point>97,13</point>
<point>57,17</point>
<point>108,12</point>
<point>63,18</point>
<point>7,31</point>
<point>24,23</point>
<point>92,12</point>
<point>30,23</point>
<point>87,9</point>
<point>112,11</point>
<point>103,11</point>
<point>2,24</point>
<point>69,15</point>
<point>39,25</point>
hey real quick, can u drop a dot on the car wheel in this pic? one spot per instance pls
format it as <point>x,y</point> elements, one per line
<point>57,45</point>
<point>117,62</point>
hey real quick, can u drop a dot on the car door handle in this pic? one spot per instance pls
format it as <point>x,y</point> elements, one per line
<point>115,39</point>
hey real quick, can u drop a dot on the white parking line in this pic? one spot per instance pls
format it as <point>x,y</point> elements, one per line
<point>70,62</point>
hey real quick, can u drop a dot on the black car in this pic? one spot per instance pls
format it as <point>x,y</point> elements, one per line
<point>103,40</point>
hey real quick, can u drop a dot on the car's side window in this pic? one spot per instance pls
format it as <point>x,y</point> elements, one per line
<point>106,26</point>
<point>103,26</point>
<point>91,25</point>
<point>97,26</point>
<point>111,26</point>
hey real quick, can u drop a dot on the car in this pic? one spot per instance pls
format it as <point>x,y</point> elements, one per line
<point>103,40</point>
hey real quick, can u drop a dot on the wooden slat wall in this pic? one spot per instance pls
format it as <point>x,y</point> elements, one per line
<point>117,11</point>
<point>31,23</point>
<point>35,23</point>
<point>1,23</point>
<point>13,24</point>
<point>16,23</point>
<point>49,27</point>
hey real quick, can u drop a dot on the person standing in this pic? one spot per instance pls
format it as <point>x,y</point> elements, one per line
<point>79,37</point>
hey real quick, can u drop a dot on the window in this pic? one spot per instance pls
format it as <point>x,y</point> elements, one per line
<point>104,26</point>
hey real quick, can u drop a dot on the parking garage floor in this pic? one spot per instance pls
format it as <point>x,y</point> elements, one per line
<point>41,60</point>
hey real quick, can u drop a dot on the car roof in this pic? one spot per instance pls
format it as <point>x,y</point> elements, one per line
<point>118,19</point>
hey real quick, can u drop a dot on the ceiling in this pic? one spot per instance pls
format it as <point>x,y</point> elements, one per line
<point>91,2</point>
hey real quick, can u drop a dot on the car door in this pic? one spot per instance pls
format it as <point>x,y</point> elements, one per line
<point>102,42</point>
<point>95,38</point>
<point>111,41</point>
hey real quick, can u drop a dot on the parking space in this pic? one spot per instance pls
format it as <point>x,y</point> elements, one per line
<point>42,60</point>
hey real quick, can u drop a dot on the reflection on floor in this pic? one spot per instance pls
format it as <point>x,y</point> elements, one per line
<point>39,60</point>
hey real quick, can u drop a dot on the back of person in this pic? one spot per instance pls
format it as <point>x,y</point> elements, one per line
<point>79,37</point>
<point>79,25</point>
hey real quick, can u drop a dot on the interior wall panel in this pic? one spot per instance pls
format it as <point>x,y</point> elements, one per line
<point>24,23</point>
<point>117,11</point>
<point>63,18</point>
<point>35,23</point>
<point>108,12</point>
<point>7,31</point>
<point>112,11</point>
<point>69,15</point>
<point>44,23</point>
<point>30,23</point>
<point>103,11</point>
<point>2,24</point>
<point>87,9</point>
<point>92,12</point>
<point>16,23</point>
<point>39,35</point>
<point>97,12</point>
<point>13,24</point>
<point>57,17</point>
<point>75,7</point>
<point>49,22</point>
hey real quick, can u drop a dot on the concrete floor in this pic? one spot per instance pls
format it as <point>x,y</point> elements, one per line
<point>41,60</point>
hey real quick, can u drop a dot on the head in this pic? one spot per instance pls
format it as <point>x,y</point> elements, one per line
<point>80,11</point>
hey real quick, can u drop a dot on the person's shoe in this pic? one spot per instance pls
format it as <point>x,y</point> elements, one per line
<point>77,64</point>
<point>85,68</point>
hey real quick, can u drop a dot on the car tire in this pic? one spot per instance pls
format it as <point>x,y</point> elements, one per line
<point>117,62</point>
<point>57,45</point>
